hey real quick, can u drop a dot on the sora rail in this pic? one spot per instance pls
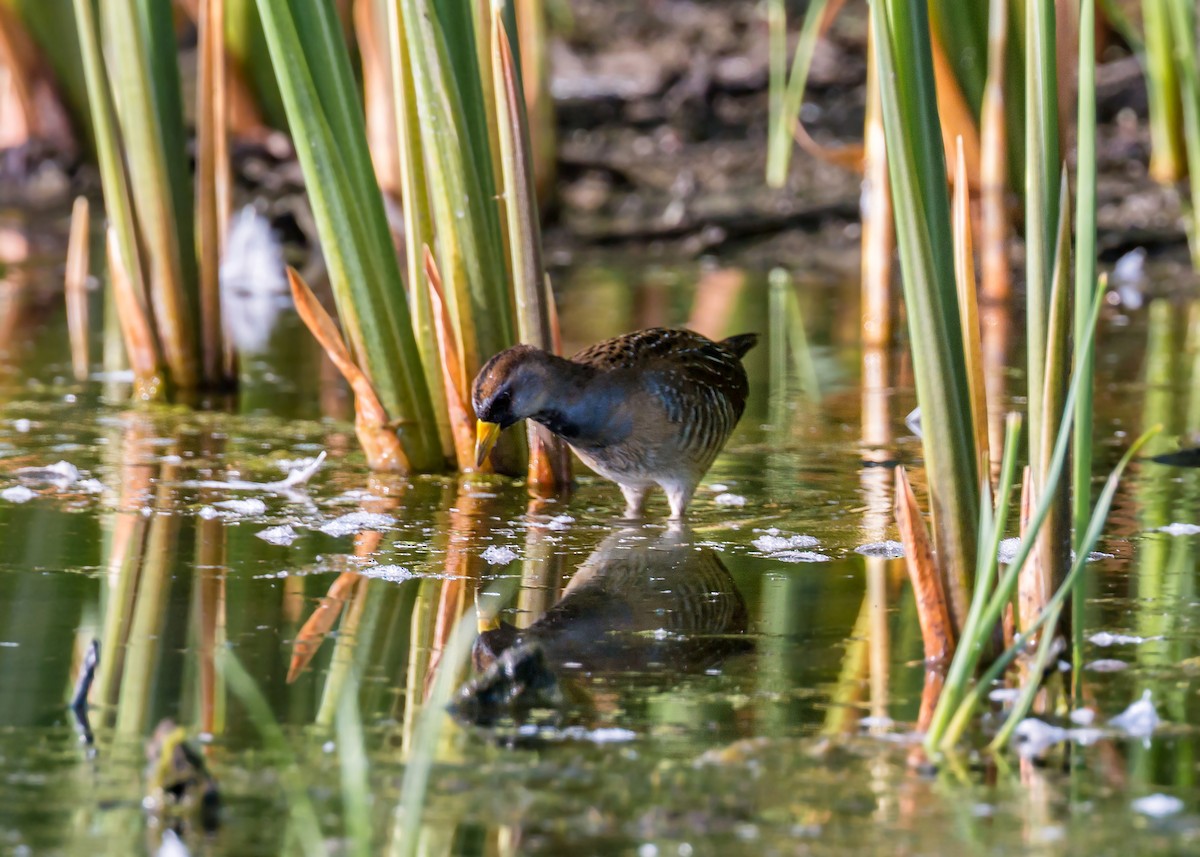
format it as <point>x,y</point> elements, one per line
<point>650,407</point>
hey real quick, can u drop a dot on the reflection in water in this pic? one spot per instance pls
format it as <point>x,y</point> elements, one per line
<point>767,751</point>
<point>638,604</point>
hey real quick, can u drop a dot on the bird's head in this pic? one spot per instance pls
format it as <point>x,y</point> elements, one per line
<point>510,387</point>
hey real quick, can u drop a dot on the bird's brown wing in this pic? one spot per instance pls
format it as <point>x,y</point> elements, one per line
<point>631,350</point>
<point>684,361</point>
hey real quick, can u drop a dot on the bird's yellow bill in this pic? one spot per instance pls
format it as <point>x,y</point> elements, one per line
<point>485,439</point>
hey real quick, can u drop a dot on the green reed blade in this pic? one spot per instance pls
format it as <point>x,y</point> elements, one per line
<point>993,525</point>
<point>313,71</point>
<point>917,169</point>
<point>301,810</point>
<point>54,26</point>
<point>460,182</point>
<point>787,99</point>
<point>247,46</point>
<point>1183,26</point>
<point>418,220</point>
<point>117,201</point>
<point>1163,92</point>
<point>1042,166</point>
<point>1049,616</point>
<point>1055,540</point>
<point>354,768</point>
<point>145,115</point>
<point>968,654</point>
<point>963,29</point>
<point>1085,275</point>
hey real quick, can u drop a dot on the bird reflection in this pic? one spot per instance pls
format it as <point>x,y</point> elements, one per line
<point>640,604</point>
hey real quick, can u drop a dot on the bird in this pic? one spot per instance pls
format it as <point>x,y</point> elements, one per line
<point>649,407</point>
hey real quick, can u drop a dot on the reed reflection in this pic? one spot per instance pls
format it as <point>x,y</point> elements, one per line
<point>642,603</point>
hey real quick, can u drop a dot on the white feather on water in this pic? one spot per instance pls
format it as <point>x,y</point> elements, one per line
<point>254,287</point>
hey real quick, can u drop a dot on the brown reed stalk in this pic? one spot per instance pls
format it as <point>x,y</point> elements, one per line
<point>140,345</point>
<point>878,229</point>
<point>213,177</point>
<point>371,422</point>
<point>933,610</point>
<point>964,275</point>
<point>75,287</point>
<point>994,266</point>
<point>549,469</point>
<point>462,428</point>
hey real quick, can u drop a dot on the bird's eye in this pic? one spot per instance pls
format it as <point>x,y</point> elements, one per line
<point>503,399</point>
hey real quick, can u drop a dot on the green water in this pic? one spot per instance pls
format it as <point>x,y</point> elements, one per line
<point>718,698</point>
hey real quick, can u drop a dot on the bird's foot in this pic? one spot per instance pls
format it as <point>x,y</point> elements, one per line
<point>635,501</point>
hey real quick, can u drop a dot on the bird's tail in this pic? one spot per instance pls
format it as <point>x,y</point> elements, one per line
<point>741,343</point>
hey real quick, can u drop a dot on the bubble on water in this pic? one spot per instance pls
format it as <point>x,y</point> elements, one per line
<point>727,499</point>
<point>391,573</point>
<point>1140,719</point>
<point>356,522</point>
<point>248,508</point>
<point>1106,665</point>
<point>887,549</point>
<point>499,555</point>
<point>1104,638</point>
<point>1179,529</point>
<point>1083,716</point>
<point>1008,550</point>
<point>284,534</point>
<point>557,523</point>
<point>772,543</point>
<point>1157,805</point>
<point>17,494</point>
<point>800,556</point>
<point>1034,737</point>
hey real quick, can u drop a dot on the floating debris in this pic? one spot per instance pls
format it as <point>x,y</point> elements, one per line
<point>248,508</point>
<point>391,573</point>
<point>558,522</point>
<point>294,479</point>
<point>1157,805</point>
<point>354,522</point>
<point>1008,550</point>
<point>498,555</point>
<point>1107,665</point>
<point>254,289</point>
<point>282,535</point>
<point>1129,279</point>
<point>727,499</point>
<point>602,735</point>
<point>1104,638</point>
<point>1140,719</point>
<point>1083,716</point>
<point>800,556</point>
<point>1034,737</point>
<point>888,549</point>
<point>774,541</point>
<point>1005,695</point>
<point>61,473</point>
<point>1178,529</point>
<point>913,421</point>
<point>17,494</point>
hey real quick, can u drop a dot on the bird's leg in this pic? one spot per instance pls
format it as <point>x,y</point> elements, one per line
<point>635,499</point>
<point>678,497</point>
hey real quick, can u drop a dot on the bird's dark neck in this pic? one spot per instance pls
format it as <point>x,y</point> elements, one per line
<point>580,407</point>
